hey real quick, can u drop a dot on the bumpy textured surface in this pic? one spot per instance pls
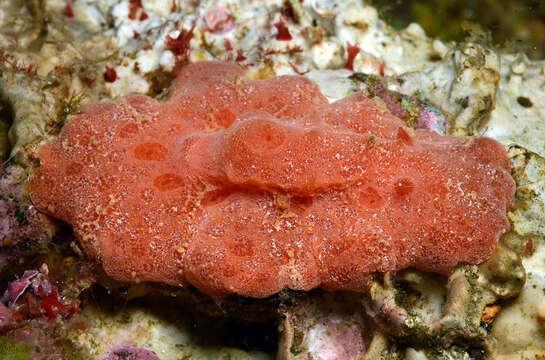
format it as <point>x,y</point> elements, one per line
<point>248,187</point>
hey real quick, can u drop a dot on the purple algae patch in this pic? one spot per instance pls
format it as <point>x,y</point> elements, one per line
<point>131,353</point>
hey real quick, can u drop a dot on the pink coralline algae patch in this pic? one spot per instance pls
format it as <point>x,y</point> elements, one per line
<point>249,187</point>
<point>219,21</point>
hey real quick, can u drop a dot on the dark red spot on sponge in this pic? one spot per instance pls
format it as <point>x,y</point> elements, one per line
<point>264,136</point>
<point>168,182</point>
<point>150,151</point>
<point>129,130</point>
<point>403,187</point>
<point>404,136</point>
<point>369,197</point>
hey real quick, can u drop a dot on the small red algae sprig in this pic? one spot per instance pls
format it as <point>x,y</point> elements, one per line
<point>110,75</point>
<point>68,10</point>
<point>180,44</point>
<point>351,52</point>
<point>250,187</point>
<point>33,296</point>
<point>135,6</point>
<point>283,33</point>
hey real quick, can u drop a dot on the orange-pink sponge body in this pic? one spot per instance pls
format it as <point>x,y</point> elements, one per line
<point>249,187</point>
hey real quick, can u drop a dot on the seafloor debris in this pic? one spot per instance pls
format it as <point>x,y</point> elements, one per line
<point>33,296</point>
<point>159,192</point>
<point>40,308</point>
<point>22,228</point>
<point>131,353</point>
<point>419,309</point>
<point>324,325</point>
<point>416,113</point>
